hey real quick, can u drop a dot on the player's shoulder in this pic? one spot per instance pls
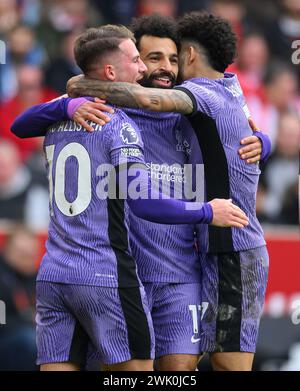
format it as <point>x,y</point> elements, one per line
<point>200,83</point>
<point>123,127</point>
<point>200,89</point>
<point>207,96</point>
<point>119,116</point>
<point>138,114</point>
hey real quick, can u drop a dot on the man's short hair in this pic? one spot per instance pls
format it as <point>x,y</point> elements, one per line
<point>213,35</point>
<point>95,42</point>
<point>155,25</point>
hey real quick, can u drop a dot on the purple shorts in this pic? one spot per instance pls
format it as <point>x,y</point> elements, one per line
<point>233,294</point>
<point>176,311</point>
<point>77,323</point>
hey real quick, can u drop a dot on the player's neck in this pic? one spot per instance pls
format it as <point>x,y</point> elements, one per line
<point>98,74</point>
<point>206,72</point>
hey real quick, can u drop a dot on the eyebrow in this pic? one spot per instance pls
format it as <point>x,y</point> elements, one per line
<point>160,53</point>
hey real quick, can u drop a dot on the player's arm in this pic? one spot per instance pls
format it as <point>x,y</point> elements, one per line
<point>123,142</point>
<point>34,121</point>
<point>255,148</point>
<point>131,95</point>
<point>218,212</point>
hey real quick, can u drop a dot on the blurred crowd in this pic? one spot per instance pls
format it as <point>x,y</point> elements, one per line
<point>38,36</point>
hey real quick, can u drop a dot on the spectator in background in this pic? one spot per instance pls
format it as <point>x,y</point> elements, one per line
<point>279,95</point>
<point>21,198</point>
<point>23,49</point>
<point>31,91</point>
<point>62,16</point>
<point>277,200</point>
<point>117,11</point>
<point>290,206</point>
<point>63,67</point>
<point>17,290</point>
<point>31,12</point>
<point>234,11</point>
<point>9,15</point>
<point>192,5</point>
<point>162,7</point>
<point>285,29</point>
<point>68,15</point>
<point>252,63</point>
<point>37,167</point>
<point>261,12</point>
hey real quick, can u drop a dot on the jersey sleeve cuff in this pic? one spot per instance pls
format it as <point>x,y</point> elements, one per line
<point>73,105</point>
<point>208,213</point>
<point>266,145</point>
<point>190,94</point>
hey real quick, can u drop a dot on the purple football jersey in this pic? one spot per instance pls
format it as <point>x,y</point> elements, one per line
<point>88,239</point>
<point>165,253</point>
<point>220,121</point>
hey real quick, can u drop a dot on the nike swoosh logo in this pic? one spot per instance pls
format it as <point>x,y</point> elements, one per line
<point>195,340</point>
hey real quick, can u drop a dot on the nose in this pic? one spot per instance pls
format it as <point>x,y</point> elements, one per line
<point>142,68</point>
<point>166,65</point>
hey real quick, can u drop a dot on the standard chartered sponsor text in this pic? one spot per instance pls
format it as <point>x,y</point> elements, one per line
<point>174,181</point>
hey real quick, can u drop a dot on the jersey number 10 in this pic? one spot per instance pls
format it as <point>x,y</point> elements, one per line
<point>58,180</point>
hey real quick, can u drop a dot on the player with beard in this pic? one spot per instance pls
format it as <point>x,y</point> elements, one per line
<point>157,42</point>
<point>236,269</point>
<point>167,260</point>
<point>166,256</point>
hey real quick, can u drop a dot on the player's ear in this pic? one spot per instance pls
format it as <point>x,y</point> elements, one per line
<point>110,72</point>
<point>191,55</point>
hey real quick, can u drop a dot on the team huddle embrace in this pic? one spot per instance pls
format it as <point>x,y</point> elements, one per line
<point>137,267</point>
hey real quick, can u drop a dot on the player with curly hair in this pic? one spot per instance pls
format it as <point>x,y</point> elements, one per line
<point>235,270</point>
<point>163,273</point>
